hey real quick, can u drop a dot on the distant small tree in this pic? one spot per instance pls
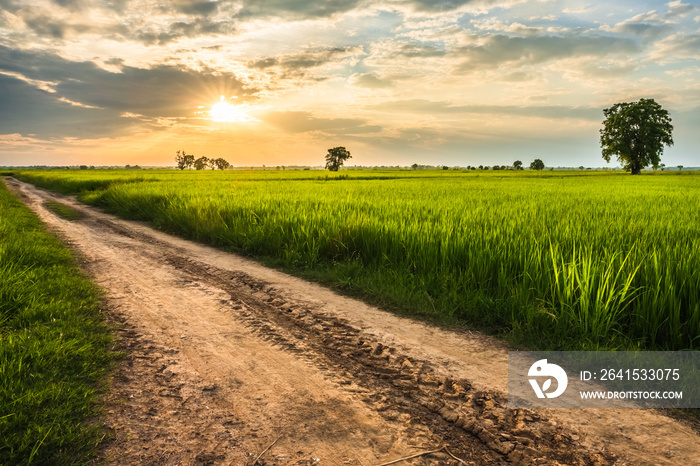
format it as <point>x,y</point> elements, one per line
<point>518,165</point>
<point>83,167</point>
<point>184,160</point>
<point>680,168</point>
<point>581,167</point>
<point>201,163</point>
<point>496,167</point>
<point>336,157</point>
<point>537,164</point>
<point>662,166</point>
<point>219,163</point>
<point>414,166</point>
<point>636,133</point>
<point>481,167</point>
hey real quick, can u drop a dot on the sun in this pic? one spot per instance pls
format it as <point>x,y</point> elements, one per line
<point>224,112</point>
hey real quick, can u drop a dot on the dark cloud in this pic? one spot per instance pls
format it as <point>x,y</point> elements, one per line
<point>649,30</point>
<point>304,122</point>
<point>420,51</point>
<point>370,81</point>
<point>47,25</point>
<point>295,65</point>
<point>159,92</point>
<point>197,8</point>
<point>199,20</point>
<point>27,110</point>
<point>436,6</point>
<point>73,5</point>
<point>442,108</point>
<point>501,49</point>
<point>181,29</point>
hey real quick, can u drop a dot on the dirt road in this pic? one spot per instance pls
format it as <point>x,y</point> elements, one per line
<point>226,358</point>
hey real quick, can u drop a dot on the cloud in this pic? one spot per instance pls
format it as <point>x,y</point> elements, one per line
<point>649,30</point>
<point>678,9</point>
<point>438,6</point>
<point>29,110</point>
<point>304,122</point>
<point>174,31</point>
<point>297,64</point>
<point>499,49</point>
<point>648,25</point>
<point>420,51</point>
<point>295,9</point>
<point>421,106</point>
<point>197,7</point>
<point>493,24</point>
<point>677,47</point>
<point>371,81</point>
<point>58,96</point>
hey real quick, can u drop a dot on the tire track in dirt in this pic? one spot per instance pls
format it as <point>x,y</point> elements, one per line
<point>224,356</point>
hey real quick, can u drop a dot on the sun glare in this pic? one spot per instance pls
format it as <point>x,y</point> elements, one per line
<point>224,112</point>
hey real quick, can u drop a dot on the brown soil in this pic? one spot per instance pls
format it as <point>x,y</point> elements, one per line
<point>225,358</point>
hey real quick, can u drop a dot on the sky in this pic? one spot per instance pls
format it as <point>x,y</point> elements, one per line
<point>396,82</point>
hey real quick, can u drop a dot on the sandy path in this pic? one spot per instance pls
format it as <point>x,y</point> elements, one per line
<point>226,357</point>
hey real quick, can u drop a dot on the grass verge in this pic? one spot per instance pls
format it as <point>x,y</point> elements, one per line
<point>62,210</point>
<point>54,346</point>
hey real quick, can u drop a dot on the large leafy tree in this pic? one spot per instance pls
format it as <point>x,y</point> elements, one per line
<point>201,163</point>
<point>537,164</point>
<point>336,157</point>
<point>221,164</point>
<point>184,160</point>
<point>636,133</point>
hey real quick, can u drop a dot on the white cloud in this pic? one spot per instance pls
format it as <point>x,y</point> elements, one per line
<point>576,11</point>
<point>46,86</point>
<point>679,9</point>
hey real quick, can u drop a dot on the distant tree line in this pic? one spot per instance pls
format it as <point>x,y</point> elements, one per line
<point>537,164</point>
<point>187,161</point>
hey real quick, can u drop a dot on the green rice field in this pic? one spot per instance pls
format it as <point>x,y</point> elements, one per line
<point>555,260</point>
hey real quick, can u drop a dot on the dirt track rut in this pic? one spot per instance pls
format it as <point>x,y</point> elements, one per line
<point>226,357</point>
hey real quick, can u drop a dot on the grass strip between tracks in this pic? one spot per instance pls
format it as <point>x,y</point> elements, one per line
<point>54,346</point>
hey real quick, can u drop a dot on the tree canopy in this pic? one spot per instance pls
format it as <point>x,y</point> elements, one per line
<point>336,157</point>
<point>184,160</point>
<point>537,164</point>
<point>636,133</point>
